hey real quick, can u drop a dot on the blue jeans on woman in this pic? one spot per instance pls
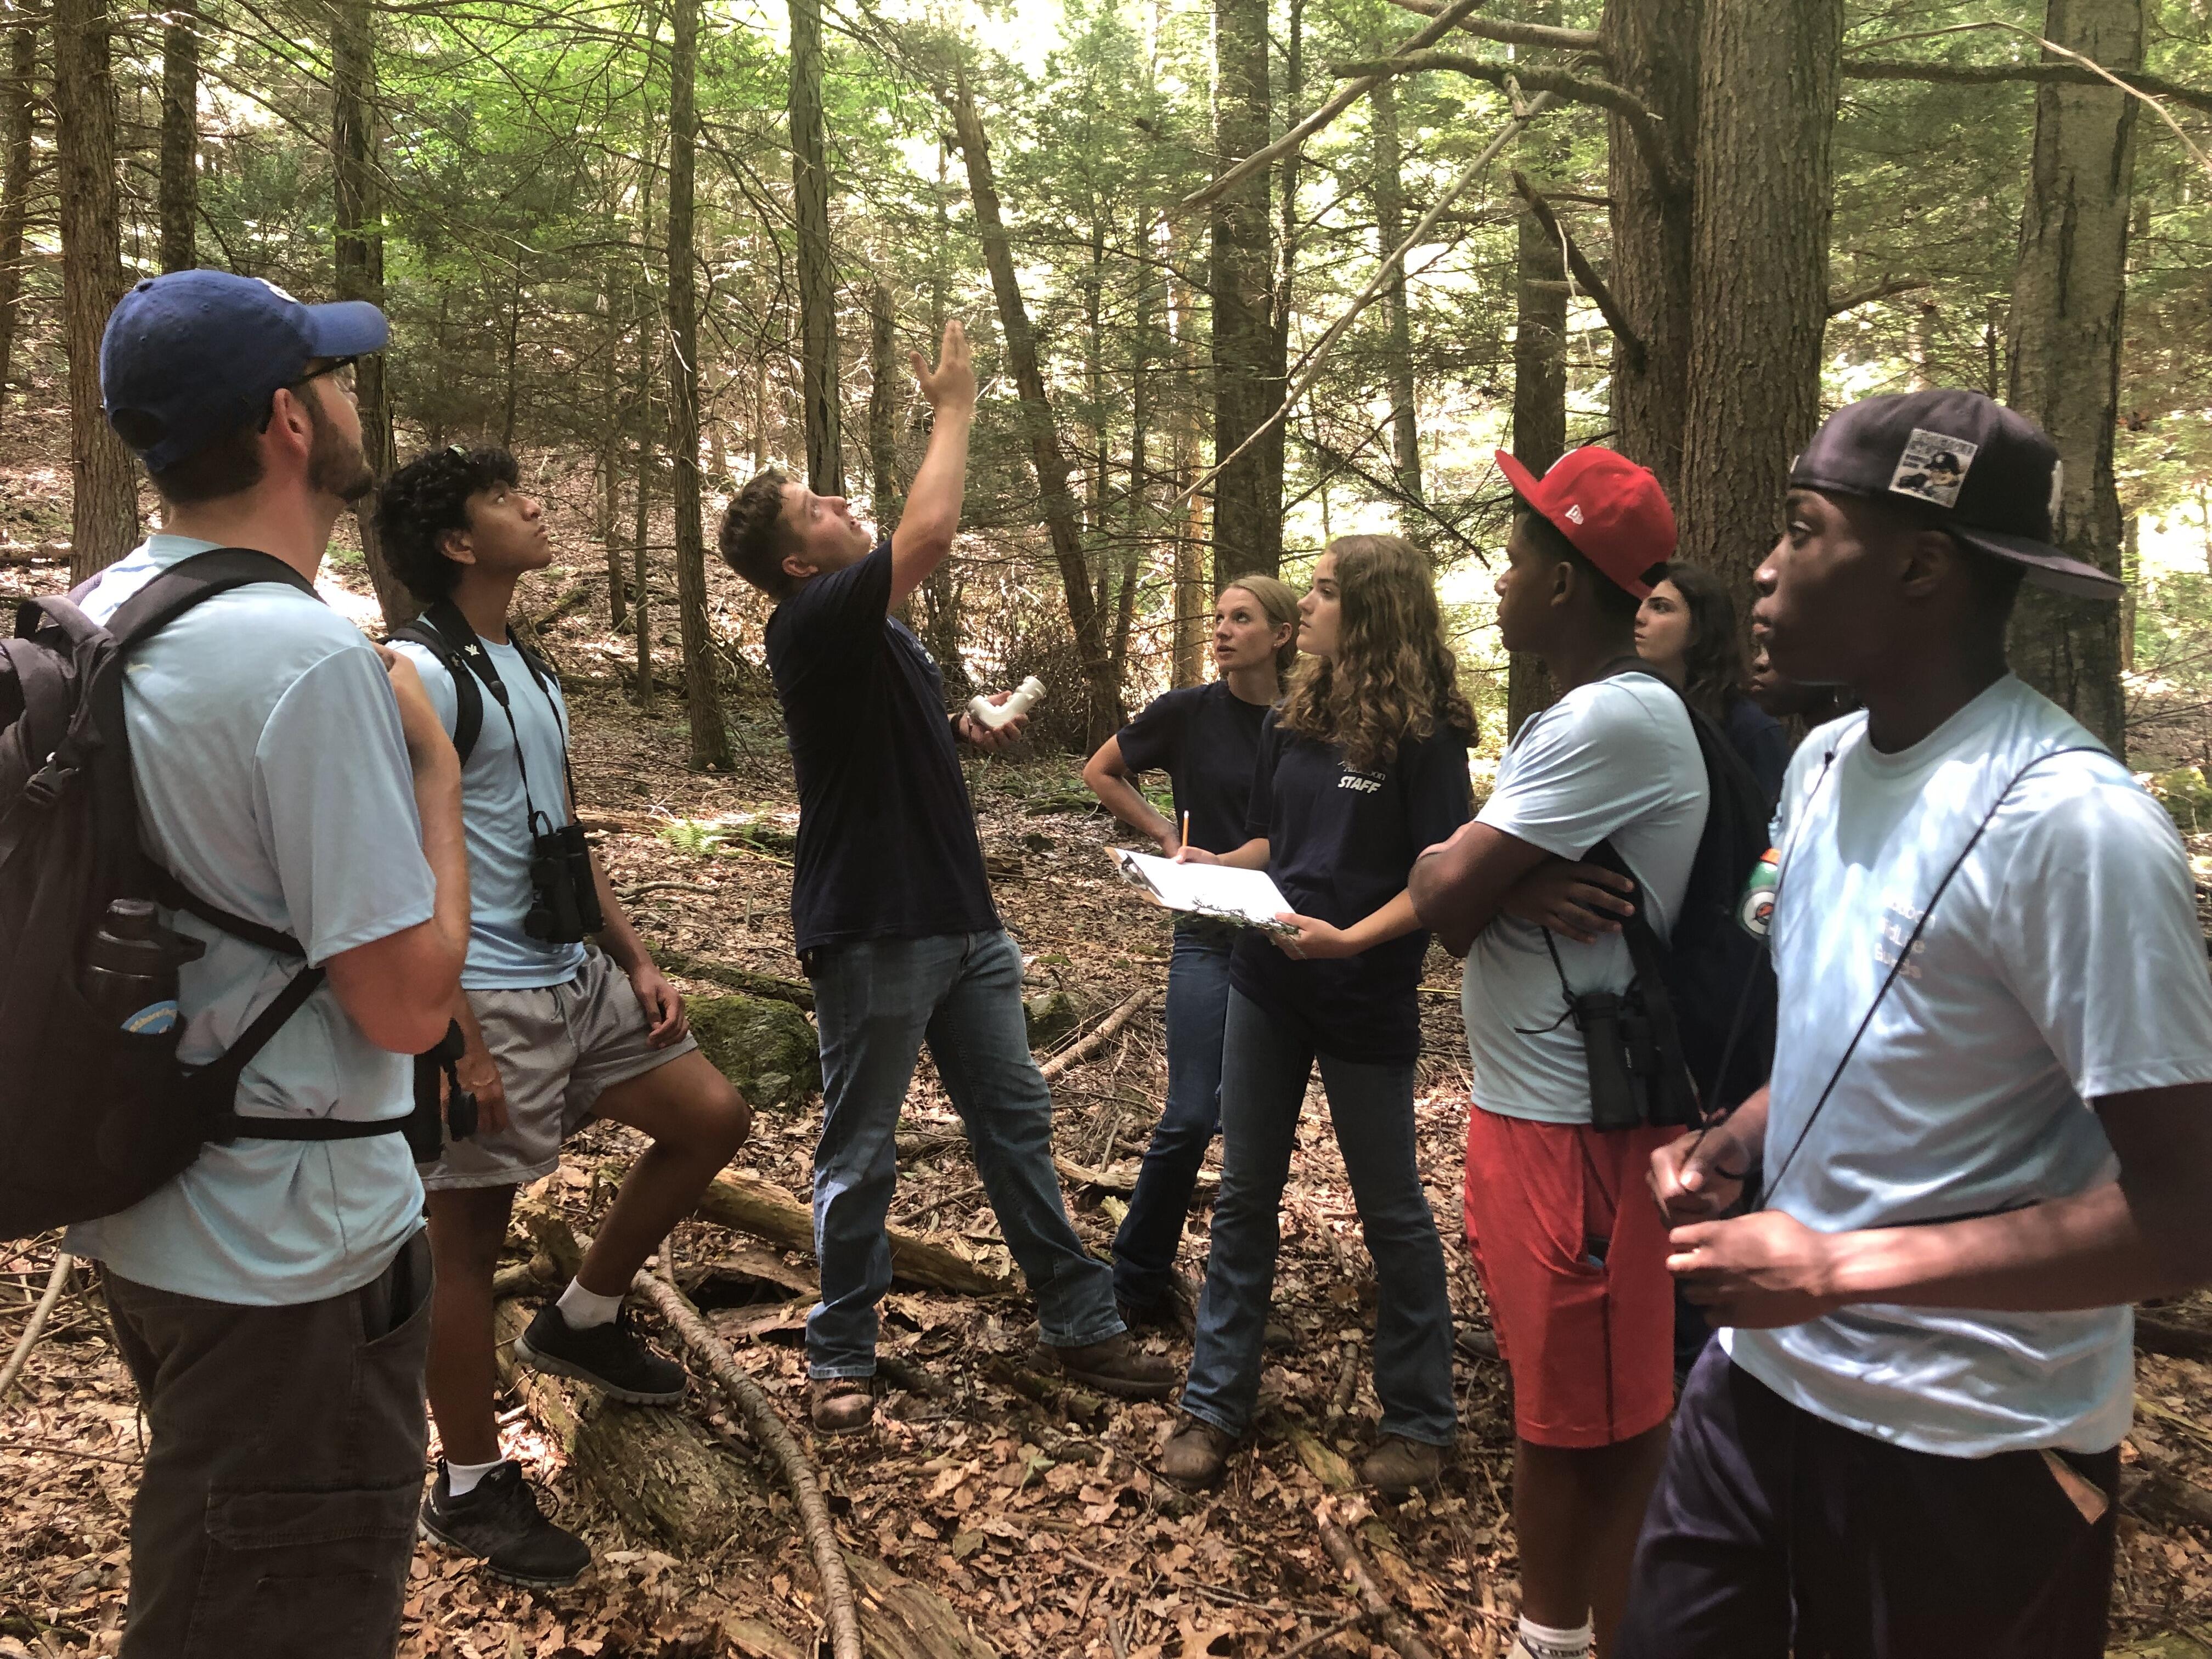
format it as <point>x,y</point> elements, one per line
<point>1264,1068</point>
<point>876,1001</point>
<point>1198,1005</point>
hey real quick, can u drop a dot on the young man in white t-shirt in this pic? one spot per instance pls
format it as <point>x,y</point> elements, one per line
<point>1989,1129</point>
<point>1571,1252</point>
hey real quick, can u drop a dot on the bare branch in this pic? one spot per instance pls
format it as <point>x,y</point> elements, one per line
<point>2143,81</point>
<point>1632,343</point>
<point>1514,35</point>
<point>1845,300</point>
<point>1643,121</point>
<point>1448,16</point>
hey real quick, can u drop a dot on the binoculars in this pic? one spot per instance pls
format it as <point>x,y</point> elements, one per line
<point>564,903</point>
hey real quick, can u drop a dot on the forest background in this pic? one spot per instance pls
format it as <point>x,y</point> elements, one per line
<point>666,243</point>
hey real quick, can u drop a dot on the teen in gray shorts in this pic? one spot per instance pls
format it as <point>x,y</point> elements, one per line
<point>555,1032</point>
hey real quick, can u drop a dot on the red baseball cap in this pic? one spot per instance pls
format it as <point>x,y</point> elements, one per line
<point>1612,510</point>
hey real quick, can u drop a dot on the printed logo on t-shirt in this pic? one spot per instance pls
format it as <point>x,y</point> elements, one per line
<point>1366,783</point>
<point>1755,914</point>
<point>1933,467</point>
<point>1900,917</point>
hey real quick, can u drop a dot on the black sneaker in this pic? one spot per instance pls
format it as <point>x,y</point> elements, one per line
<point>498,1522</point>
<point>612,1358</point>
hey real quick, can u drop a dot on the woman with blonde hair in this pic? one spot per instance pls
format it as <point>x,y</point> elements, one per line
<point>1206,738</point>
<point>1365,765</point>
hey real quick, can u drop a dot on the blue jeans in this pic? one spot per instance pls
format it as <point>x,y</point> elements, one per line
<point>875,1002</point>
<point>1264,1067</point>
<point>1198,1005</point>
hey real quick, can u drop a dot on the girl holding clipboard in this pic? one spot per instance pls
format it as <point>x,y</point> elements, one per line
<point>1205,738</point>
<point>1363,765</point>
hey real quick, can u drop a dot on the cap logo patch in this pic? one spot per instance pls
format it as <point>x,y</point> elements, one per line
<point>1574,514</point>
<point>276,290</point>
<point>1933,467</point>
<point>2057,488</point>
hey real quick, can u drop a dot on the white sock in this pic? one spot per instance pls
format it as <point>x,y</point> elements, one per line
<point>585,1308</point>
<point>1544,1642</point>
<point>461,1478</point>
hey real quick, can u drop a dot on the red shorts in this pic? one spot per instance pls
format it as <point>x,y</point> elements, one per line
<point>1591,1347</point>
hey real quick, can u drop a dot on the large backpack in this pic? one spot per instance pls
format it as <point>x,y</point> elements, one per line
<point>93,1118</point>
<point>1709,990</point>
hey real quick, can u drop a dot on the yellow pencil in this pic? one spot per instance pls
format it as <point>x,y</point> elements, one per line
<point>1186,828</point>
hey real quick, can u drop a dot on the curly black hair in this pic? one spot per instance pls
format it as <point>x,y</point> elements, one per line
<point>425,499</point>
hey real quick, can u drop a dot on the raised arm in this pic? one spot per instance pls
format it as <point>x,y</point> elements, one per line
<point>925,533</point>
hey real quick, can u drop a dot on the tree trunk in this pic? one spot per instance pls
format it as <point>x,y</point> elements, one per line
<point>649,335</point>
<point>884,481</point>
<point>1540,396</point>
<point>1759,299</point>
<point>21,114</point>
<point>710,742</point>
<point>1062,515</point>
<point>817,279</point>
<point>1248,500</point>
<point>1390,230</point>
<point>1193,609</point>
<point>180,133</point>
<point>610,453</point>
<point>104,483</point>
<point>2068,295</point>
<point>1653,46</point>
<point>359,258</point>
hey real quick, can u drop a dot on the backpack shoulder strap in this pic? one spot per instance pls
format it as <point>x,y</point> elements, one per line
<point>468,700</point>
<point>189,582</point>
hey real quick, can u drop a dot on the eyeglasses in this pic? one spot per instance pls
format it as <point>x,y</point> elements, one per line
<point>339,366</point>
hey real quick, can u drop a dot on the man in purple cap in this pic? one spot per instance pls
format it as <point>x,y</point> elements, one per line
<point>1989,1129</point>
<point>272,1301</point>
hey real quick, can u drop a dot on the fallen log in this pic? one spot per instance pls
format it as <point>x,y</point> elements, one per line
<point>750,1205</point>
<point>731,977</point>
<point>659,1470</point>
<point>1120,1178</point>
<point>1099,1034</point>
<point>907,1620</point>
<point>1389,1623</point>
<point>2171,1338</point>
<point>769,1434</point>
<point>55,1280</point>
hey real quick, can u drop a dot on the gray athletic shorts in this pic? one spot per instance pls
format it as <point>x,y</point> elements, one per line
<point>558,1049</point>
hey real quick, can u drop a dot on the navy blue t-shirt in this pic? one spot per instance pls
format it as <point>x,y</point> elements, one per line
<point>887,846</point>
<point>1340,844</point>
<point>1206,739</point>
<point>1758,737</point>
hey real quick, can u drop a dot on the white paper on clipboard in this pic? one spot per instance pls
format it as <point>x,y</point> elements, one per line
<point>1246,897</point>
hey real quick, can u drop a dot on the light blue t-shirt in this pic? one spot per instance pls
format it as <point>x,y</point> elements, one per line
<point>273,781</point>
<point>496,819</point>
<point>2063,964</point>
<point>1616,760</point>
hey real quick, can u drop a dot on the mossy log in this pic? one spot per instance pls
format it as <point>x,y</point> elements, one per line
<point>660,1470</point>
<point>750,1205</point>
<point>767,1050</point>
<point>731,977</point>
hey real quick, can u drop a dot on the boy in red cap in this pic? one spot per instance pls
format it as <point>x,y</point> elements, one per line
<point>1571,1251</point>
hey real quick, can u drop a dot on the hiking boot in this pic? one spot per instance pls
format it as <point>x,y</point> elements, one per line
<point>1119,1367</point>
<point>498,1522</point>
<point>1196,1454</point>
<point>840,1405</point>
<point>612,1358</point>
<point>1174,1310</point>
<point>1399,1467</point>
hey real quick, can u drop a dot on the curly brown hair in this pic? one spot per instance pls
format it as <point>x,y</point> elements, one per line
<point>1393,677</point>
<point>755,536</point>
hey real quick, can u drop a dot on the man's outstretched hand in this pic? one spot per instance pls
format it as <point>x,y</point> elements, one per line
<point>951,386</point>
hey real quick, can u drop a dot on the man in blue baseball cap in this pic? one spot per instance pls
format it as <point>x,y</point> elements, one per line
<point>272,1301</point>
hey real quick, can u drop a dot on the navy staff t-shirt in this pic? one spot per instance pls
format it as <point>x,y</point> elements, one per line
<point>1206,739</point>
<point>887,846</point>
<point>1340,843</point>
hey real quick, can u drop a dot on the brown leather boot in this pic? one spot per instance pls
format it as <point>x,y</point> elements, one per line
<point>1399,1467</point>
<point>840,1405</point>
<point>1119,1367</point>
<point>1195,1456</point>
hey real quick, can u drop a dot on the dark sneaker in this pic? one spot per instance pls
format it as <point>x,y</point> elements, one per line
<point>612,1358</point>
<point>1196,1454</point>
<point>498,1523</point>
<point>1174,1310</point>
<point>1399,1467</point>
<point>840,1405</point>
<point>1119,1367</point>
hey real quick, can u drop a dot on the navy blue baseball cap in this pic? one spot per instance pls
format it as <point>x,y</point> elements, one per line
<point>194,354</point>
<point>1989,476</point>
